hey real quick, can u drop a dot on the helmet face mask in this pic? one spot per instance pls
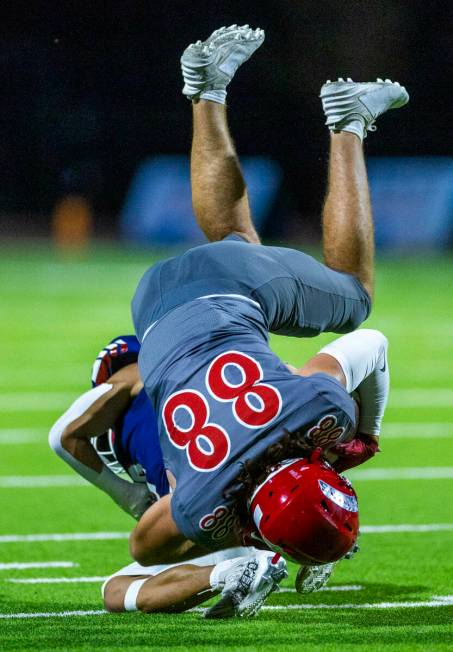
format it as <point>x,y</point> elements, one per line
<point>104,445</point>
<point>306,511</point>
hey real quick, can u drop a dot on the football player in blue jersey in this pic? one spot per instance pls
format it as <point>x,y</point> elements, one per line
<point>102,437</point>
<point>229,412</point>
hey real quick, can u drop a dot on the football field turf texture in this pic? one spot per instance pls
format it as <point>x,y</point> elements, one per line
<point>396,594</point>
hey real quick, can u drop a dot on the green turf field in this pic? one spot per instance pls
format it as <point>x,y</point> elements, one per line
<point>397,594</point>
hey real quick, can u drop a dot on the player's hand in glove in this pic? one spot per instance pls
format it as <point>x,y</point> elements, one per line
<point>136,498</point>
<point>354,452</point>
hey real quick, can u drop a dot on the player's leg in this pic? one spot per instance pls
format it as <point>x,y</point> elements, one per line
<point>172,590</point>
<point>219,193</point>
<point>317,298</point>
<point>351,110</point>
<point>245,576</point>
<point>348,239</point>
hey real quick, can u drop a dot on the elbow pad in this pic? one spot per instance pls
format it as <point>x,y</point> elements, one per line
<point>354,452</point>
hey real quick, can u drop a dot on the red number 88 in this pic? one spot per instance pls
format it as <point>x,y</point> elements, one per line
<point>265,408</point>
<point>199,431</point>
<point>267,397</point>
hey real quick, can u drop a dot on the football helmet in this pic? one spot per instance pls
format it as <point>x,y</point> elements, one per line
<point>306,511</point>
<point>118,353</point>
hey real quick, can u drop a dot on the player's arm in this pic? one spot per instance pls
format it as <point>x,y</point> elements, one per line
<point>359,362</point>
<point>157,540</point>
<point>90,416</point>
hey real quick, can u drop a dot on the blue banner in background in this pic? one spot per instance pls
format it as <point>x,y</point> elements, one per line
<point>158,207</point>
<point>412,201</point>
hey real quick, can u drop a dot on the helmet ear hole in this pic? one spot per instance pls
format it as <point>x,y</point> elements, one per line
<point>325,506</point>
<point>295,488</point>
<point>348,527</point>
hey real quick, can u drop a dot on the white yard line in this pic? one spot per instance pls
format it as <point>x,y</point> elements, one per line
<point>12,436</point>
<point>36,401</point>
<point>72,536</point>
<point>56,580</point>
<point>398,473</point>
<point>340,587</point>
<point>392,430</point>
<point>421,397</point>
<point>50,401</point>
<point>104,536</point>
<point>16,565</point>
<point>403,473</point>
<point>54,614</point>
<point>93,579</point>
<point>406,430</point>
<point>76,580</point>
<point>41,481</point>
<point>436,601</point>
<point>384,529</point>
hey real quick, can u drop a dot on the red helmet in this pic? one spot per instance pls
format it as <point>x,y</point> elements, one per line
<point>307,511</point>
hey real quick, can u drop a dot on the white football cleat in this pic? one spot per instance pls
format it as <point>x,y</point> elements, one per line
<point>209,66</point>
<point>312,578</point>
<point>247,583</point>
<point>352,106</point>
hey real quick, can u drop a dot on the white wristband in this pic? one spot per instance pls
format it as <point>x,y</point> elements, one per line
<point>130,598</point>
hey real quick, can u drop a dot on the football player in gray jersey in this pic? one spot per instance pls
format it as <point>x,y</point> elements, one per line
<point>230,413</point>
<point>229,295</point>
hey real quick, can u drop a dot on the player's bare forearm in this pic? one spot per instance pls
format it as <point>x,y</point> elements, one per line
<point>90,416</point>
<point>171,591</point>
<point>99,416</point>
<point>157,540</point>
<point>219,193</point>
<point>322,363</point>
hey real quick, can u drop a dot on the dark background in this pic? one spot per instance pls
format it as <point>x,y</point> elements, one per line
<point>89,89</point>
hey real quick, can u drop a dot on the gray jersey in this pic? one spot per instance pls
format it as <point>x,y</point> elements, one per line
<point>222,397</point>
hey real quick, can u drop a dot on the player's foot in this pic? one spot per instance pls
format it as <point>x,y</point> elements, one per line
<point>352,106</point>
<point>209,66</point>
<point>246,584</point>
<point>313,578</point>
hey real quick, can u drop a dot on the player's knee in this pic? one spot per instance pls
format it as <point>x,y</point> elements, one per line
<point>113,593</point>
<point>361,313</point>
<point>143,554</point>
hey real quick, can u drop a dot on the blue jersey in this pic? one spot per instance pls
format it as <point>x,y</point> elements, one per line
<point>136,438</point>
<point>137,442</point>
<point>221,397</point>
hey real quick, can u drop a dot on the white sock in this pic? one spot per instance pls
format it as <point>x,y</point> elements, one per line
<point>218,96</point>
<point>356,126</point>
